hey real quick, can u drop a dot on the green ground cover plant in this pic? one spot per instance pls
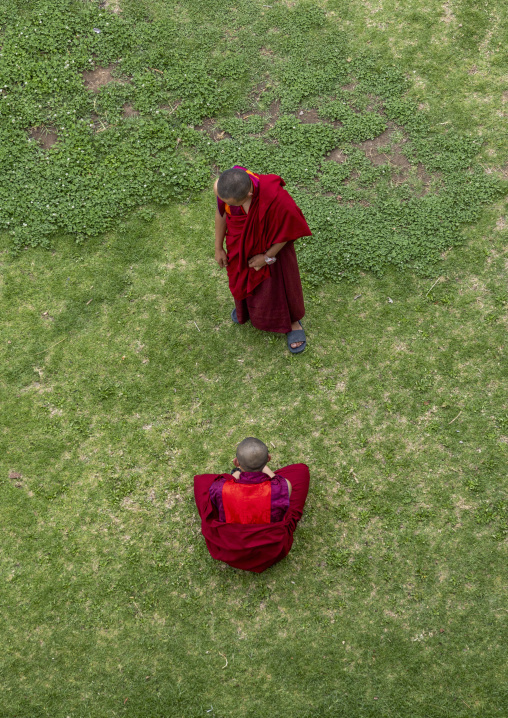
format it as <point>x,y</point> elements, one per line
<point>122,374</point>
<point>123,96</point>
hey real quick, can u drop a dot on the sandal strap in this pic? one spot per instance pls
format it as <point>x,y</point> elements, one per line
<point>296,335</point>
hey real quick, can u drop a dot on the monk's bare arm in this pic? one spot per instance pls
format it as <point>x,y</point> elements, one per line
<point>275,249</point>
<point>258,261</point>
<point>220,233</point>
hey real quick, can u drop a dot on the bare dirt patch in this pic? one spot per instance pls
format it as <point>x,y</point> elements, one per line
<point>275,110</point>
<point>308,117</point>
<point>95,79</point>
<point>129,111</point>
<point>113,5</point>
<point>45,136</point>
<point>337,156</point>
<point>382,151</point>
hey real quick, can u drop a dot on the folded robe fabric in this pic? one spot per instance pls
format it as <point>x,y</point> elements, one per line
<point>278,301</point>
<point>273,217</point>
<point>251,547</point>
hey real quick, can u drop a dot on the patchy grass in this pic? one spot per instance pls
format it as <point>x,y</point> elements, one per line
<point>456,53</point>
<point>392,591</point>
<point>122,376</point>
<point>145,105</point>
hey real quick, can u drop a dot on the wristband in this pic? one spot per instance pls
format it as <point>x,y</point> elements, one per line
<point>270,260</point>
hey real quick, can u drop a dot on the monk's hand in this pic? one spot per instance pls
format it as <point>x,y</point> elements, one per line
<point>221,258</point>
<point>257,262</point>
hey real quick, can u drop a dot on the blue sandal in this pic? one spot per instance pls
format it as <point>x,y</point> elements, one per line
<point>296,335</point>
<point>234,316</point>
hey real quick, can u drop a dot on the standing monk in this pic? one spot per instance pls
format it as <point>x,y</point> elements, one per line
<point>260,222</point>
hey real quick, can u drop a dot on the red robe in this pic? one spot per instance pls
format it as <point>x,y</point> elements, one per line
<point>271,297</point>
<point>251,547</point>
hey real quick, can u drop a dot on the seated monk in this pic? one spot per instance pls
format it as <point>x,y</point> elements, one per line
<point>260,222</point>
<point>248,517</point>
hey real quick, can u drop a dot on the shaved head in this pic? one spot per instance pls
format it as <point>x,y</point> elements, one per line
<point>252,454</point>
<point>233,184</point>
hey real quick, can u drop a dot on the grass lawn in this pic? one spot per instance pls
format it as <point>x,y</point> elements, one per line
<point>122,376</point>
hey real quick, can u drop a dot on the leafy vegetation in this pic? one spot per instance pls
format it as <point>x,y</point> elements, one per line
<point>122,374</point>
<point>123,97</point>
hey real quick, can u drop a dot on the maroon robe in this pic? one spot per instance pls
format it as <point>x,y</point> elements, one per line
<point>271,297</point>
<point>251,547</point>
